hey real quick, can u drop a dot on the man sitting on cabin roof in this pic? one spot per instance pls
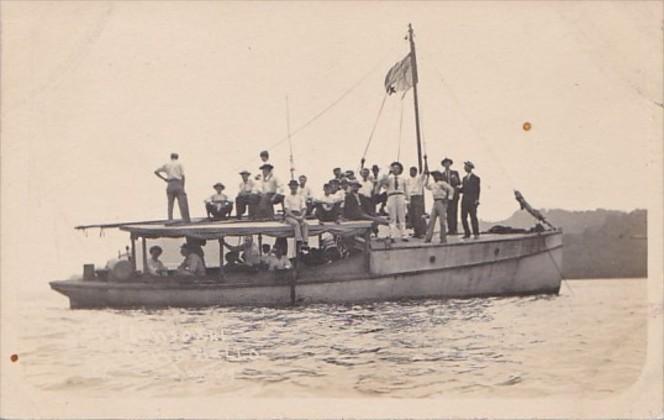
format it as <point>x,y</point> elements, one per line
<point>247,196</point>
<point>327,208</point>
<point>193,264</point>
<point>353,206</point>
<point>218,206</point>
<point>271,192</point>
<point>155,266</point>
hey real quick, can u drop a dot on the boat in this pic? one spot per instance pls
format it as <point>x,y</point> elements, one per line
<point>370,268</point>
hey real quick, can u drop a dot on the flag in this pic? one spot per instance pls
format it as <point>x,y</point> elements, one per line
<point>400,76</point>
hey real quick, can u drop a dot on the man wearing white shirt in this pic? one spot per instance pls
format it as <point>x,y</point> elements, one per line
<point>247,196</point>
<point>270,191</point>
<point>305,191</point>
<point>295,208</point>
<point>366,191</point>
<point>395,187</point>
<point>415,195</point>
<point>175,188</point>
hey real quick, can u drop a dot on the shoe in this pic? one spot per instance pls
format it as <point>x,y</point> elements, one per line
<point>405,239</point>
<point>476,237</point>
<point>466,237</point>
<point>428,241</point>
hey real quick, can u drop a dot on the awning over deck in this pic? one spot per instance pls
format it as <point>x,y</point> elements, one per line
<point>215,230</point>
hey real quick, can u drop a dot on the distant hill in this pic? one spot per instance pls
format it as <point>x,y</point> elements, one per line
<point>597,243</point>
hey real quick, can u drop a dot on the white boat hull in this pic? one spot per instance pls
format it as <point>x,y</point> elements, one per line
<point>509,265</point>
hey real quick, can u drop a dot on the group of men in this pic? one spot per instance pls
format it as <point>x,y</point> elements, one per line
<point>345,196</point>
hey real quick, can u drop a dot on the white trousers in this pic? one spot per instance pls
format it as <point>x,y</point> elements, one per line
<point>396,208</point>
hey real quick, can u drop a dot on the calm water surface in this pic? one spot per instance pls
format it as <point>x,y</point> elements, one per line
<point>589,341</point>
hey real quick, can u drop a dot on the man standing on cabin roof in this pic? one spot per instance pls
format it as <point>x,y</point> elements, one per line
<point>452,178</point>
<point>305,191</point>
<point>175,189</point>
<point>470,200</point>
<point>395,187</point>
<point>295,208</point>
<point>270,191</point>
<point>265,159</point>
<point>247,196</point>
<point>415,195</point>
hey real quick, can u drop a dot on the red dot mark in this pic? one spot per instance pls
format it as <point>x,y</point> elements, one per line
<point>526,126</point>
<point>14,358</point>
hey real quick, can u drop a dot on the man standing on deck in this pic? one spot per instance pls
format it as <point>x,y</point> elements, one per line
<point>366,191</point>
<point>395,187</point>
<point>471,199</point>
<point>415,195</point>
<point>452,178</point>
<point>175,189</point>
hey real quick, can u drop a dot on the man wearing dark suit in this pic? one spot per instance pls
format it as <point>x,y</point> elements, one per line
<point>471,199</point>
<point>452,178</point>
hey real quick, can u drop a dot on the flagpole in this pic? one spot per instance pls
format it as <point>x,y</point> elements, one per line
<point>413,62</point>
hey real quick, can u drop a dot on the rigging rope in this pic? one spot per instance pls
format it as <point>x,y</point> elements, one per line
<point>373,130</point>
<point>319,114</point>
<point>400,126</point>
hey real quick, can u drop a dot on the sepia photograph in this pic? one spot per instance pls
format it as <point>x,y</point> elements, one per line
<point>370,209</point>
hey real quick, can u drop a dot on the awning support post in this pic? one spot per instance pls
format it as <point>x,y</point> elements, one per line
<point>145,256</point>
<point>133,252</point>
<point>221,257</point>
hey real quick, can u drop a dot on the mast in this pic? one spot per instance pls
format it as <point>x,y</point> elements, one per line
<point>413,63</point>
<point>290,142</point>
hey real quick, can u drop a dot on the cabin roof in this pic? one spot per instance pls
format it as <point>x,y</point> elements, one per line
<point>215,230</point>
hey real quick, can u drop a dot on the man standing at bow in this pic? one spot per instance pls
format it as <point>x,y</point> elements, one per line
<point>395,187</point>
<point>471,199</point>
<point>452,178</point>
<point>415,195</point>
<point>175,188</point>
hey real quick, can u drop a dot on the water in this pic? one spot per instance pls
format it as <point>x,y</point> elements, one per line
<point>589,341</point>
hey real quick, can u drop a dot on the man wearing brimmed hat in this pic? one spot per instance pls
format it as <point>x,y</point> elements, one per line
<point>471,199</point>
<point>452,177</point>
<point>247,196</point>
<point>270,192</point>
<point>175,189</point>
<point>353,205</point>
<point>295,208</point>
<point>218,207</point>
<point>441,192</point>
<point>395,187</point>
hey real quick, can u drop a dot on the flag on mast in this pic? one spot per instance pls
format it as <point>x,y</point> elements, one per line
<point>400,77</point>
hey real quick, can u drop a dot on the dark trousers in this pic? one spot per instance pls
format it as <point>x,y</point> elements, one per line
<point>265,206</point>
<point>246,201</point>
<point>367,205</point>
<point>379,199</point>
<point>175,189</point>
<point>415,213</point>
<point>469,208</point>
<point>452,216</point>
<point>328,215</point>
<point>215,211</point>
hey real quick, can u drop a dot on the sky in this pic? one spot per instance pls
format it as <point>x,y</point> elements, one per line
<point>96,95</point>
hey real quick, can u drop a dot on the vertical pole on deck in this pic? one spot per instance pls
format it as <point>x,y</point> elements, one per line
<point>145,256</point>
<point>221,257</point>
<point>413,63</point>
<point>260,244</point>
<point>367,249</point>
<point>133,252</point>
